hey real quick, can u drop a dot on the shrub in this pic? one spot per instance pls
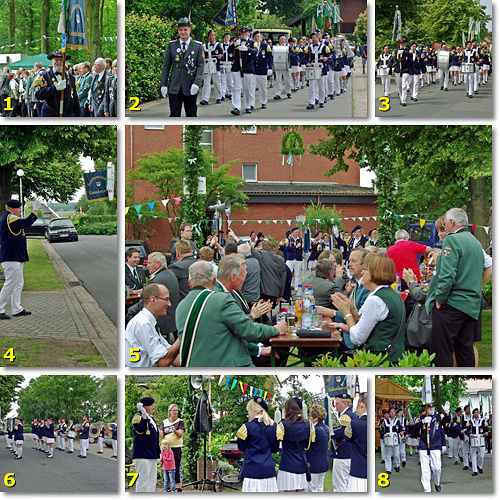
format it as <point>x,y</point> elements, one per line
<point>367,358</point>
<point>96,228</point>
<point>488,293</point>
<point>146,38</point>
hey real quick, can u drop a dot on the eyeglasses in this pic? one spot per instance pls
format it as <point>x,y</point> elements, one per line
<point>162,298</point>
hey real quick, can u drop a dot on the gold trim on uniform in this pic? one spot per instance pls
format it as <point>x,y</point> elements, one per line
<point>13,218</point>
<point>348,431</point>
<point>345,420</point>
<point>242,432</point>
<point>280,432</point>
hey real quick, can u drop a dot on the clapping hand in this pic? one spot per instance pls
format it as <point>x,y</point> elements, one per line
<point>341,302</point>
<point>409,275</point>
<point>260,308</point>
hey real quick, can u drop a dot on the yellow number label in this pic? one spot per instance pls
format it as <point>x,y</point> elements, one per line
<point>134,476</point>
<point>135,105</point>
<point>383,480</point>
<point>10,355</point>
<point>8,100</point>
<point>386,106</point>
<point>9,480</point>
<point>134,354</point>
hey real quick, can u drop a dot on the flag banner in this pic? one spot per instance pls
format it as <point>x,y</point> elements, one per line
<point>73,24</point>
<point>231,16</point>
<point>220,17</point>
<point>427,390</point>
<point>95,185</point>
<point>110,180</point>
<point>396,30</point>
<point>335,384</point>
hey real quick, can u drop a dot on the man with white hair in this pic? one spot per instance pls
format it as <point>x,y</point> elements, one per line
<point>455,291</point>
<point>251,285</point>
<point>95,100</point>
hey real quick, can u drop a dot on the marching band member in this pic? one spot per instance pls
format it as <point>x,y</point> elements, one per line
<point>477,67</point>
<point>225,64</point>
<point>294,63</point>
<point>454,434</point>
<point>414,70</point>
<point>212,50</point>
<point>385,60</point>
<point>316,249</point>
<point>357,432</point>
<point>316,53</point>
<point>62,433</point>
<point>477,430</point>
<point>49,433</point>
<point>100,439</point>
<point>317,454</point>
<point>282,75</point>
<point>381,431</point>
<point>114,440</point>
<point>486,58</point>
<point>464,439</point>
<point>84,437</point>
<point>19,438</point>
<point>258,438</point>
<point>402,442</point>
<point>469,56</point>
<point>412,439</point>
<point>71,429</point>
<point>263,69</point>
<point>391,428</point>
<point>454,65</point>
<point>34,430</point>
<point>444,76</point>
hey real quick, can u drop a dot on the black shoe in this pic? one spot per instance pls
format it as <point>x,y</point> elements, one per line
<point>438,487</point>
<point>332,97</point>
<point>277,98</point>
<point>289,96</point>
<point>100,452</point>
<point>81,456</point>
<point>69,452</point>
<point>475,92</point>
<point>480,470</point>
<point>397,469</point>
<point>179,490</point>
<point>218,101</point>
<point>446,90</point>
<point>382,461</point>
<point>4,316</point>
<point>316,101</point>
<point>310,106</point>
<point>203,103</point>
<point>322,105</point>
<point>474,473</point>
<point>18,458</point>
<point>252,108</point>
<point>24,312</point>
<point>114,456</point>
<point>461,459</point>
<point>415,99</point>
<point>235,111</point>
<point>465,467</point>
<point>263,106</point>
<point>403,104</point>
<point>456,462</point>
<point>229,96</point>
<point>469,96</point>
<point>442,87</point>
<point>403,464</point>
<point>388,472</point>
<point>248,110</point>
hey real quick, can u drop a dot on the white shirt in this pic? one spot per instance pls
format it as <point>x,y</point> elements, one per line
<point>141,333</point>
<point>373,311</point>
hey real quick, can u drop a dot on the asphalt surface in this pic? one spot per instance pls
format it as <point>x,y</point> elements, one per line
<point>64,473</point>
<point>94,260</point>
<point>436,103</point>
<point>453,478</point>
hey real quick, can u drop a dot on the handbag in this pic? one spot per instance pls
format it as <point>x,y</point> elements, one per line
<point>419,328</point>
<point>307,464</point>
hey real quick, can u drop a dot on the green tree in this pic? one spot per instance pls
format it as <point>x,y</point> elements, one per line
<point>105,402</point>
<point>361,29</point>
<point>325,215</point>
<point>9,384</point>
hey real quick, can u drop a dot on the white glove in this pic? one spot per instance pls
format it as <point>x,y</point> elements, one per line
<point>427,420</point>
<point>243,48</point>
<point>237,43</point>
<point>336,231</point>
<point>164,92</point>
<point>140,407</point>
<point>269,72</point>
<point>443,449</point>
<point>36,205</point>
<point>194,89</point>
<point>446,407</point>
<point>61,85</point>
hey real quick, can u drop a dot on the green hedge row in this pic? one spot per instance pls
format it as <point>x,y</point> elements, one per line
<point>85,220</point>
<point>146,38</point>
<point>102,228</point>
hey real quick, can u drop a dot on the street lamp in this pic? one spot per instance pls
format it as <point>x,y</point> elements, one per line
<point>20,173</point>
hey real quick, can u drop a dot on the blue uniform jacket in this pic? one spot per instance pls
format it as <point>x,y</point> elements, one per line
<point>436,432</point>
<point>49,432</point>
<point>146,438</point>
<point>12,237</point>
<point>357,432</point>
<point>18,432</point>
<point>342,444</point>
<point>46,91</point>
<point>114,433</point>
<point>226,57</point>
<point>258,441</point>
<point>317,454</point>
<point>216,50</point>
<point>474,427</point>
<point>415,66</point>
<point>84,430</point>
<point>247,57</point>
<point>294,55</point>
<point>263,59</point>
<point>293,456</point>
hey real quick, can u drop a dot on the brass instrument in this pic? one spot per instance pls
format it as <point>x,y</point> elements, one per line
<point>94,431</point>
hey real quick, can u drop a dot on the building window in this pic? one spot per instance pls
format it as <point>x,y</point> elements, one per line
<point>249,129</point>
<point>154,127</point>
<point>206,142</point>
<point>249,172</point>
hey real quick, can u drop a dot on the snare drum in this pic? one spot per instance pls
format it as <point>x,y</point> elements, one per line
<point>313,72</point>
<point>280,58</point>
<point>226,66</point>
<point>476,440</point>
<point>391,439</point>
<point>467,68</point>
<point>210,66</point>
<point>383,71</point>
<point>72,434</point>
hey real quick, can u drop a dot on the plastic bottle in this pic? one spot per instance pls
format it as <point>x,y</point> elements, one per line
<point>398,283</point>
<point>299,296</point>
<point>307,310</point>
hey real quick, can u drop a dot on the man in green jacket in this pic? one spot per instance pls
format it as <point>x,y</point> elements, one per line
<point>213,330</point>
<point>455,291</point>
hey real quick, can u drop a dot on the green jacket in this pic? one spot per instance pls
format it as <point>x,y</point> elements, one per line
<point>459,271</point>
<point>223,332</point>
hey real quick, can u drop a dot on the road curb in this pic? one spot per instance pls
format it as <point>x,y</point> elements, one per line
<point>101,330</point>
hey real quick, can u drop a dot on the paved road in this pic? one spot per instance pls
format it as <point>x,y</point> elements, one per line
<point>453,478</point>
<point>435,103</point>
<point>64,473</point>
<point>94,260</point>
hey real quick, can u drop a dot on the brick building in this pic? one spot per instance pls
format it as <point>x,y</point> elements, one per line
<point>276,192</point>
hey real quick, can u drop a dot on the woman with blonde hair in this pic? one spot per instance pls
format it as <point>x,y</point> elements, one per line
<point>317,454</point>
<point>172,429</point>
<point>258,439</point>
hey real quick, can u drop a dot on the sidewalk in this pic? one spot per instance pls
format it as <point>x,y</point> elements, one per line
<point>70,315</point>
<point>359,90</point>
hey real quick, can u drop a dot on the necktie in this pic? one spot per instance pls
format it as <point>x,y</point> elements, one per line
<point>58,73</point>
<point>183,47</point>
<point>136,276</point>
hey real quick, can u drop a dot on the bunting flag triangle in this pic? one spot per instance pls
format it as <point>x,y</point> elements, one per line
<point>486,229</point>
<point>269,397</point>
<point>275,221</point>
<point>221,378</point>
<point>267,222</point>
<point>170,219</point>
<point>138,208</point>
<point>422,222</point>
<point>165,202</point>
<point>227,381</point>
<point>289,221</point>
<point>233,384</point>
<point>151,204</point>
<point>250,391</point>
<point>244,222</point>
<point>126,210</point>
<point>259,221</point>
<point>139,215</point>
<point>243,387</point>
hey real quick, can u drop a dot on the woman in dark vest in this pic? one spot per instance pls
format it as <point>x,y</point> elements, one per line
<point>380,324</point>
<point>317,454</point>
<point>297,435</point>
<point>258,439</point>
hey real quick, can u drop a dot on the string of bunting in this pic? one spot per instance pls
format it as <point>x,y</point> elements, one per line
<point>177,201</point>
<point>231,383</point>
<point>28,42</point>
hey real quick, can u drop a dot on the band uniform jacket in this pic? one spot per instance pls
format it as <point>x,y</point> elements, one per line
<point>97,93</point>
<point>182,69</point>
<point>297,438</point>
<point>436,432</point>
<point>356,430</point>
<point>18,432</point>
<point>146,438</point>
<point>317,454</point>
<point>258,441</point>
<point>84,430</point>
<point>84,82</point>
<point>13,238</point>
<point>342,444</point>
<point>477,427</point>
<point>247,57</point>
<point>45,91</point>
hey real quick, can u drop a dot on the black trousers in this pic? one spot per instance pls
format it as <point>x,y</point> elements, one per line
<point>189,101</point>
<point>178,466</point>
<point>452,332</point>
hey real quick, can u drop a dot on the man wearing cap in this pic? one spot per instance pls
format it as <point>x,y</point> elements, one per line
<point>358,239</point>
<point>146,449</point>
<point>182,71</point>
<point>283,74</point>
<point>317,53</point>
<point>391,429</point>
<point>341,446</point>
<point>465,418</point>
<point>13,255</point>
<point>402,441</point>
<point>469,56</point>
<point>243,51</point>
<point>402,70</point>
<point>263,69</point>
<point>49,85</point>
<point>226,62</point>
<point>213,55</point>
<point>454,435</point>
<point>381,427</point>
<point>477,428</point>
<point>84,436</point>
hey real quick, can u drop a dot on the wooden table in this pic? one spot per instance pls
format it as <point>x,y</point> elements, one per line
<point>285,342</point>
<point>132,299</point>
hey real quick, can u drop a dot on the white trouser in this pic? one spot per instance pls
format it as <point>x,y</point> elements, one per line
<point>405,85</point>
<point>146,480</point>
<point>340,474</point>
<point>415,81</point>
<point>114,442</point>
<point>402,451</point>
<point>330,82</point>
<point>226,83</point>
<point>215,78</point>
<point>63,443</point>
<point>469,88</point>
<point>100,444</point>
<point>316,484</point>
<point>386,84</point>
<point>399,82</point>
<point>336,81</point>
<point>295,266</point>
<point>357,485</point>
<point>84,446</point>
<point>12,287</point>
<point>475,452</point>
<point>430,464</point>
<point>316,91</point>
<point>476,79</point>
<point>247,83</point>
<point>324,87</point>
<point>288,87</point>
<point>261,85</point>
<point>454,446</point>
<point>70,444</point>
<point>382,450</point>
<point>391,452</point>
<point>444,78</point>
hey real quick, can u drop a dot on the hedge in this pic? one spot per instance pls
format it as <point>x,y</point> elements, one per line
<point>146,39</point>
<point>85,220</point>
<point>103,228</point>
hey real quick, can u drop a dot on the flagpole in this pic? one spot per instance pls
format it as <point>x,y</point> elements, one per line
<point>61,101</point>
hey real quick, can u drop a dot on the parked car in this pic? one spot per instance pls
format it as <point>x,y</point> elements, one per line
<point>144,250</point>
<point>61,229</point>
<point>38,227</point>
